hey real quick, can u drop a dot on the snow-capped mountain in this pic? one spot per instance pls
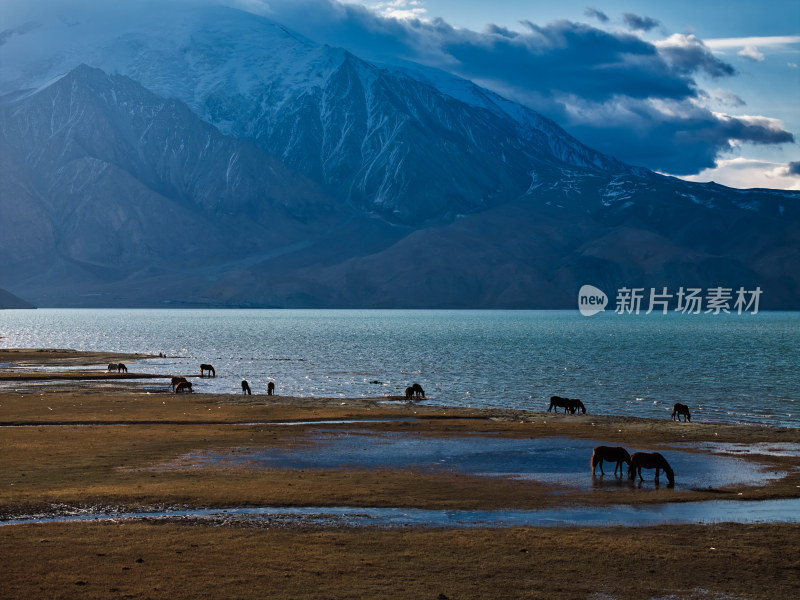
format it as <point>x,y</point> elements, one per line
<point>214,157</point>
<point>386,140</point>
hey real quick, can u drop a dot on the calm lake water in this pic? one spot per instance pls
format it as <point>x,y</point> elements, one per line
<point>727,368</point>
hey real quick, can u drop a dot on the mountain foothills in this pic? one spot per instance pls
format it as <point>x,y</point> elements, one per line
<point>222,160</point>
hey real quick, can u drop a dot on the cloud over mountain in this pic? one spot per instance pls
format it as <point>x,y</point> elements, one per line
<point>574,73</point>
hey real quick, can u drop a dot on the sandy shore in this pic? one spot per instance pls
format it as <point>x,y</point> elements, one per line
<point>139,425</point>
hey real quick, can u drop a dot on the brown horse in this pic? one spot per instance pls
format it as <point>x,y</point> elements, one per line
<point>122,368</point>
<point>409,393</point>
<point>679,409</point>
<point>183,386</point>
<point>209,368</point>
<point>650,460</point>
<point>113,368</point>
<point>616,454</point>
<point>246,387</point>
<point>175,381</point>
<point>270,389</point>
<point>568,404</point>
<point>418,391</point>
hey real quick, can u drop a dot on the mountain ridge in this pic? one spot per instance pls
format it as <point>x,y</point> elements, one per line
<point>312,178</point>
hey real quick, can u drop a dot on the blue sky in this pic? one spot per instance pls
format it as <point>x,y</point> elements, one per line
<point>703,90</point>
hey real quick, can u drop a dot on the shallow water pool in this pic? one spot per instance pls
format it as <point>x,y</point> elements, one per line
<point>557,461</point>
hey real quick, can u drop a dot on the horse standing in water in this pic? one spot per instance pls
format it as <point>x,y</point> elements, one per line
<point>113,368</point>
<point>246,387</point>
<point>183,386</point>
<point>209,368</point>
<point>418,391</point>
<point>616,454</point>
<point>175,381</point>
<point>122,368</point>
<point>650,460</point>
<point>270,388</point>
<point>679,409</point>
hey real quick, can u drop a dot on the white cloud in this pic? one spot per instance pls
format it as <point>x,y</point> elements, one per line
<point>399,9</point>
<point>752,53</point>
<point>775,40</point>
<point>746,173</point>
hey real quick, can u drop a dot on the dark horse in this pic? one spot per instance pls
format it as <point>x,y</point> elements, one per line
<point>122,368</point>
<point>113,367</point>
<point>679,409</point>
<point>568,404</point>
<point>246,387</point>
<point>270,389</point>
<point>616,454</point>
<point>183,386</point>
<point>409,393</point>
<point>209,368</point>
<point>175,381</point>
<point>418,391</point>
<point>649,460</point>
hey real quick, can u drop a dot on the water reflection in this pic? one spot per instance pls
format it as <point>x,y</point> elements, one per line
<point>556,461</point>
<point>718,511</point>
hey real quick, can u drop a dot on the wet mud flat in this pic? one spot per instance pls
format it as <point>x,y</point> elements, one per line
<point>218,453</point>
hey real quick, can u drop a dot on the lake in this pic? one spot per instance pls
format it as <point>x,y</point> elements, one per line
<point>727,368</point>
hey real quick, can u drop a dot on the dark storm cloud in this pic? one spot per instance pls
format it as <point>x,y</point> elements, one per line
<point>596,14</point>
<point>638,23</point>
<point>794,168</point>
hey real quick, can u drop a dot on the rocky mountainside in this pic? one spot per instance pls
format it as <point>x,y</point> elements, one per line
<point>218,159</point>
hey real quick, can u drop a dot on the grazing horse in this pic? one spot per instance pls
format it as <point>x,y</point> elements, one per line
<point>122,368</point>
<point>175,381</point>
<point>270,388</point>
<point>650,460</point>
<point>616,454</point>
<point>183,386</point>
<point>113,368</point>
<point>568,404</point>
<point>418,391</point>
<point>409,393</point>
<point>246,387</point>
<point>679,409</point>
<point>209,368</point>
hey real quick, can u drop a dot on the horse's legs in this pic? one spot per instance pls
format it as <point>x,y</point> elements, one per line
<point>657,472</point>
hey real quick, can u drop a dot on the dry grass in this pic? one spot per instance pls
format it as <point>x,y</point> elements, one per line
<point>113,464</point>
<point>176,561</point>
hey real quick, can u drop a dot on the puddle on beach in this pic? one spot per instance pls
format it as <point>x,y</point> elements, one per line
<point>556,461</point>
<point>760,448</point>
<point>718,511</point>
